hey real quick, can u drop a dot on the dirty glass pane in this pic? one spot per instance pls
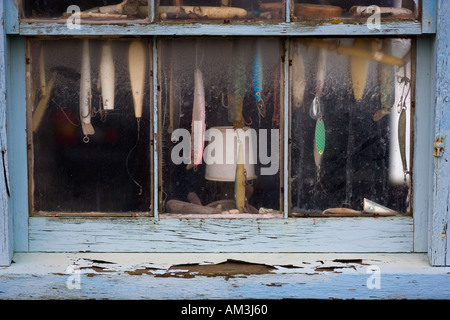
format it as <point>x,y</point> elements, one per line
<point>75,12</point>
<point>89,126</point>
<point>370,11</point>
<point>221,10</point>
<point>351,125</point>
<point>220,97</point>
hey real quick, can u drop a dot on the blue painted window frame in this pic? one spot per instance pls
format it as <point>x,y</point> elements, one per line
<point>16,32</point>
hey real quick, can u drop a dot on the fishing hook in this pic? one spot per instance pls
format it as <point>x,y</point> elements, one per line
<point>223,103</point>
<point>245,122</point>
<point>261,108</point>
<point>402,103</point>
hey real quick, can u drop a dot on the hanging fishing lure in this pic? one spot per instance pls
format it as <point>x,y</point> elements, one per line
<point>85,92</point>
<point>198,126</point>
<point>240,179</point>
<point>276,97</point>
<point>316,111</point>
<point>401,109</point>
<point>136,68</point>
<point>236,91</point>
<point>298,82</point>
<point>258,80</point>
<point>319,134</point>
<point>359,69</point>
<point>386,75</point>
<point>107,76</point>
<point>174,91</point>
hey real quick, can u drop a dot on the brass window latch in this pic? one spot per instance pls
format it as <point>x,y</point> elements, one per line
<point>438,146</point>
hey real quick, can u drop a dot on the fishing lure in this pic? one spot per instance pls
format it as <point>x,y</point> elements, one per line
<point>174,97</point>
<point>319,134</point>
<point>42,80</point>
<point>276,97</point>
<point>107,76</point>
<point>298,82</point>
<point>137,67</point>
<point>359,69</point>
<point>258,80</point>
<point>170,128</point>
<point>198,126</point>
<point>85,92</point>
<point>239,181</point>
<point>387,85</point>
<point>236,91</point>
<point>319,142</point>
<point>401,109</point>
<point>316,111</point>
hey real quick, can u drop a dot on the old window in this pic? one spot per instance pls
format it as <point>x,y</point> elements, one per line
<point>220,100</point>
<point>220,125</point>
<point>350,125</point>
<point>315,140</point>
<point>89,125</point>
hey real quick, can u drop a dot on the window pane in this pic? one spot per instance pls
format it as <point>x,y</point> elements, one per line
<point>86,10</point>
<point>376,10</point>
<point>229,91</point>
<point>350,126</point>
<point>221,10</point>
<point>90,144</point>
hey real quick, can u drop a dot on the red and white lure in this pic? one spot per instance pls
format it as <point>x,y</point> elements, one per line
<point>198,126</point>
<point>85,92</point>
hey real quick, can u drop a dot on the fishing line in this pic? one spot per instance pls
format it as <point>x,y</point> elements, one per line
<point>65,114</point>
<point>138,122</point>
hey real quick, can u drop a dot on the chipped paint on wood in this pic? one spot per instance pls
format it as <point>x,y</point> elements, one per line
<point>221,276</point>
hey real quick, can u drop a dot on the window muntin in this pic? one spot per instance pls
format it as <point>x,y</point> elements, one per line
<point>228,71</point>
<point>348,138</point>
<point>90,148</point>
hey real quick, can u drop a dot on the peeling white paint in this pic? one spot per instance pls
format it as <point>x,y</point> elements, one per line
<point>117,276</point>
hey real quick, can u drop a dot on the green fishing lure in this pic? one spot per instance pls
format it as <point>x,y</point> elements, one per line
<point>319,141</point>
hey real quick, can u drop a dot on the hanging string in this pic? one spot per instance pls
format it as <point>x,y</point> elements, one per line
<point>138,121</point>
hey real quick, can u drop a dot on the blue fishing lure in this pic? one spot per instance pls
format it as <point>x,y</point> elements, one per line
<point>258,80</point>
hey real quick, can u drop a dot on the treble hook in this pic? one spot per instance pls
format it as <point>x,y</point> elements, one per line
<point>261,108</point>
<point>402,102</point>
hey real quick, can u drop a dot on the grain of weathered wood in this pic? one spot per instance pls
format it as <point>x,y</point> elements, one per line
<point>393,234</point>
<point>255,29</point>
<point>422,167</point>
<point>439,243</point>
<point>17,141</point>
<point>6,227</point>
